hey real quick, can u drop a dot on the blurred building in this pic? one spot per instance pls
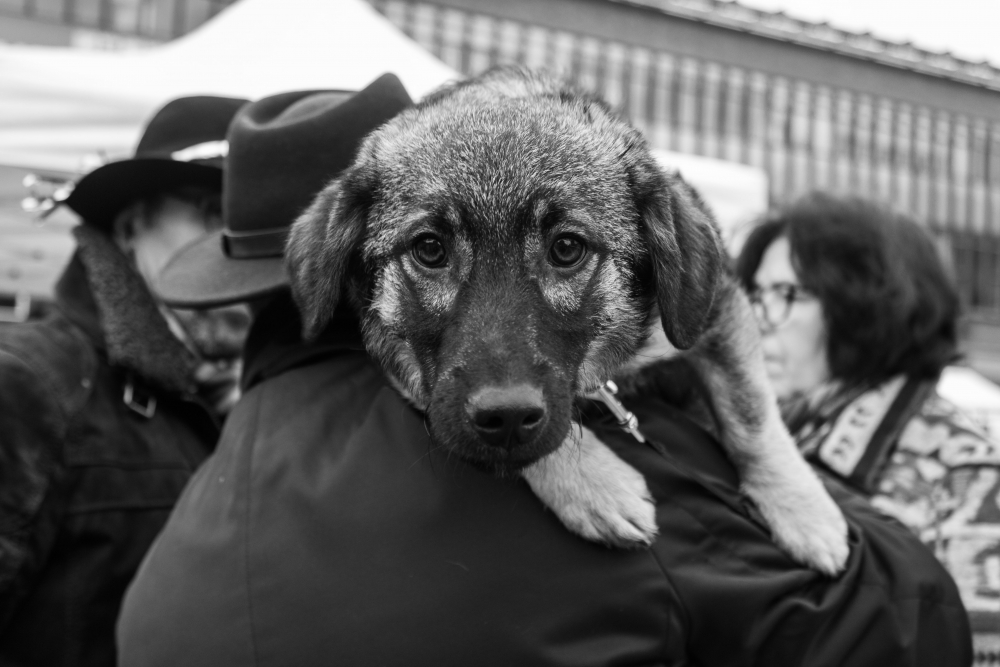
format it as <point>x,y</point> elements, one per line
<point>813,106</point>
<point>810,105</point>
<point>31,255</point>
<point>102,23</point>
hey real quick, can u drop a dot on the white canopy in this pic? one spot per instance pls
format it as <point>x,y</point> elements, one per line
<point>974,394</point>
<point>964,385</point>
<point>60,105</point>
<point>736,193</point>
<point>57,105</point>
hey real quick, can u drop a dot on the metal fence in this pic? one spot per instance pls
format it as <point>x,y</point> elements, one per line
<point>941,167</point>
<point>150,19</point>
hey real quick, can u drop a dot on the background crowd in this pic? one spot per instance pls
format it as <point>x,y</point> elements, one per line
<point>316,528</point>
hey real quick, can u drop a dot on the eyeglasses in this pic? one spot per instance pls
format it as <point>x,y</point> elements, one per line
<point>773,304</point>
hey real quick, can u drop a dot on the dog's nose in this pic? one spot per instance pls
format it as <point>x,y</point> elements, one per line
<point>507,416</point>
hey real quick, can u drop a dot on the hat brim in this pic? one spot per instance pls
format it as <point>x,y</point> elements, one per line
<point>100,195</point>
<point>200,275</point>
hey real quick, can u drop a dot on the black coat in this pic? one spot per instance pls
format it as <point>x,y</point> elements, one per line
<point>86,482</point>
<point>327,530</point>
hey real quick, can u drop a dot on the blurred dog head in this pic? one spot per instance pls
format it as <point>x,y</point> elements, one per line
<point>507,244</point>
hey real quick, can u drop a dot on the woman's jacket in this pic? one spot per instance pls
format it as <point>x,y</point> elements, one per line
<point>921,460</point>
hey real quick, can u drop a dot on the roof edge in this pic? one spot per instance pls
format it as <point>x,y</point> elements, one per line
<point>778,25</point>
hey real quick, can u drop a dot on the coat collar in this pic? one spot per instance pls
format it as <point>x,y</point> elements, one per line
<point>275,343</point>
<point>76,302</point>
<point>102,294</point>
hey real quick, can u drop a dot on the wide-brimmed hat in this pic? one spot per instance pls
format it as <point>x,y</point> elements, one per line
<point>282,151</point>
<point>184,144</point>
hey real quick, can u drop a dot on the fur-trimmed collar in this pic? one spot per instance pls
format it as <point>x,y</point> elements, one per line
<point>135,335</point>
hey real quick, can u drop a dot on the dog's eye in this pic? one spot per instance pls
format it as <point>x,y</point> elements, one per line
<point>429,251</point>
<point>567,251</point>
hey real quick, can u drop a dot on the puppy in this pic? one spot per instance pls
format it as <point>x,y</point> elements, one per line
<point>510,244</point>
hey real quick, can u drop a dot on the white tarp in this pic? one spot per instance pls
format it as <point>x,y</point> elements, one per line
<point>974,394</point>
<point>57,105</point>
<point>736,193</point>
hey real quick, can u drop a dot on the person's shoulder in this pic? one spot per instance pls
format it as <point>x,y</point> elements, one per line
<point>47,372</point>
<point>311,400</point>
<point>44,375</point>
<point>701,514</point>
<point>729,574</point>
<point>338,369</point>
<point>52,353</point>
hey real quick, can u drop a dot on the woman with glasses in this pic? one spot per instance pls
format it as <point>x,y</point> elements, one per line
<point>858,319</point>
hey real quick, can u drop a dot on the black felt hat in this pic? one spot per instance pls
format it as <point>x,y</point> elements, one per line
<point>282,151</point>
<point>184,144</point>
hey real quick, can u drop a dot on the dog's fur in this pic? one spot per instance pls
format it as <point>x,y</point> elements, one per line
<point>495,170</point>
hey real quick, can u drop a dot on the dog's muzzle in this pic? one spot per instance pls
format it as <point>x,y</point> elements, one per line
<point>507,416</point>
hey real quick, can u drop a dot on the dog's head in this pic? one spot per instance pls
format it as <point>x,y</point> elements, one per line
<point>506,244</point>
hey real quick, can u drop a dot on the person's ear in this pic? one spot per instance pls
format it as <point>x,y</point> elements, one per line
<point>125,226</point>
<point>321,246</point>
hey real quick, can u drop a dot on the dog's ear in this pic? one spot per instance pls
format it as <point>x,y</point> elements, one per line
<point>321,245</point>
<point>685,250</point>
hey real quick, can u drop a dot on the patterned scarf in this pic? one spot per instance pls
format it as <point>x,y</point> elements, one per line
<point>852,431</point>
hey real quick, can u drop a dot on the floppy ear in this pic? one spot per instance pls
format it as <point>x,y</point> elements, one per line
<point>320,248</point>
<point>685,250</point>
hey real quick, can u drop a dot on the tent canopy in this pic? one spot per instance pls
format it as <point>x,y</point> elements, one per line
<point>967,388</point>
<point>59,105</point>
<point>736,193</point>
<point>975,395</point>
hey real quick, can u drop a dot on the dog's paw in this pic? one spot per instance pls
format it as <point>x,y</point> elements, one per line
<point>804,520</point>
<point>594,493</point>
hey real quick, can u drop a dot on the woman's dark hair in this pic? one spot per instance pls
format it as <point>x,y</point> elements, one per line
<point>889,303</point>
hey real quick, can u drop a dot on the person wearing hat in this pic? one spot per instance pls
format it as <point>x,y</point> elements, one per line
<point>109,404</point>
<point>326,529</point>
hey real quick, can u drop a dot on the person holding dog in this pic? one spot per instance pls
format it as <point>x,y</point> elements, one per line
<point>327,528</point>
<point>109,404</point>
<point>859,318</point>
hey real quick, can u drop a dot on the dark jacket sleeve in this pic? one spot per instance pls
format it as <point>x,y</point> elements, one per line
<point>31,431</point>
<point>747,603</point>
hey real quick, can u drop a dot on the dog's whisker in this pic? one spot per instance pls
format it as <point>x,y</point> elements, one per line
<point>431,448</point>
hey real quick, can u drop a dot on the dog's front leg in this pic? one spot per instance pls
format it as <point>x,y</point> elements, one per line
<point>804,520</point>
<point>593,492</point>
